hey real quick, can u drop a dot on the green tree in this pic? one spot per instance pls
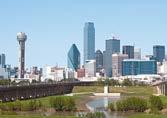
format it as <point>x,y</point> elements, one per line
<point>126,82</point>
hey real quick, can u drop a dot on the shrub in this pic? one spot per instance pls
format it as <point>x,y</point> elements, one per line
<point>17,105</point>
<point>34,105</point>
<point>111,107</point>
<point>126,82</point>
<point>132,103</point>
<point>63,103</point>
<point>155,103</point>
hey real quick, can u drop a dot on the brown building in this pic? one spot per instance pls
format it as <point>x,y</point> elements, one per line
<point>117,64</point>
<point>81,73</point>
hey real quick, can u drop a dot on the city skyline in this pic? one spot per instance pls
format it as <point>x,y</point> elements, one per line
<point>46,37</point>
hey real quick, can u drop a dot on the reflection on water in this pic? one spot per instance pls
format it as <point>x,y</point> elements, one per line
<point>101,104</point>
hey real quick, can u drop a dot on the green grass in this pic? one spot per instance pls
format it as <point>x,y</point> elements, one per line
<point>147,116</point>
<point>34,116</point>
<point>125,91</point>
<point>78,89</point>
<point>134,90</point>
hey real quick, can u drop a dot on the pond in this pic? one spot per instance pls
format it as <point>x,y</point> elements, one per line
<point>100,104</point>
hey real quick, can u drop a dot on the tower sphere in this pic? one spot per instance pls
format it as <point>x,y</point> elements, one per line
<point>21,36</point>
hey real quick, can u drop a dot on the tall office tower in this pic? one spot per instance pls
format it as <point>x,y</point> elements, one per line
<point>112,46</point>
<point>2,60</point>
<point>73,58</point>
<point>117,64</point>
<point>159,52</point>
<point>137,53</point>
<point>89,41</point>
<point>129,50</point>
<point>99,60</point>
<point>21,37</point>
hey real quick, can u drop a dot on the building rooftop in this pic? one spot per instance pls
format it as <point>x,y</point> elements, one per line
<point>137,60</point>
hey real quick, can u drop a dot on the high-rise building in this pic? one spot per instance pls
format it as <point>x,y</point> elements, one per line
<point>90,68</point>
<point>99,60</point>
<point>2,60</point>
<point>136,67</point>
<point>129,50</point>
<point>73,58</point>
<point>159,52</point>
<point>137,53</point>
<point>117,64</point>
<point>21,37</point>
<point>112,46</point>
<point>89,41</point>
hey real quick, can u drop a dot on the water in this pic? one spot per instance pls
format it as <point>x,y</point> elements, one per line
<point>100,104</point>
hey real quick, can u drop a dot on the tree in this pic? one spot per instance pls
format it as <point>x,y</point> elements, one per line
<point>126,82</point>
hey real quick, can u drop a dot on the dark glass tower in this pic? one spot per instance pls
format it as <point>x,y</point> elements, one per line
<point>89,41</point>
<point>73,58</point>
<point>99,60</point>
<point>159,52</point>
<point>2,60</point>
<point>129,50</point>
<point>112,46</point>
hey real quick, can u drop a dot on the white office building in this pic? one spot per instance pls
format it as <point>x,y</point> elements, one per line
<point>53,73</point>
<point>137,53</point>
<point>90,68</point>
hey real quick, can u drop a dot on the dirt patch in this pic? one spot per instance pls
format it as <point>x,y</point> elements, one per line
<point>81,103</point>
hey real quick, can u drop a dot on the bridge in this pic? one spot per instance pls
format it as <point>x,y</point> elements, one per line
<point>12,93</point>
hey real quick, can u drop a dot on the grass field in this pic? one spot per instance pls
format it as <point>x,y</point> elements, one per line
<point>34,116</point>
<point>125,91</point>
<point>147,116</point>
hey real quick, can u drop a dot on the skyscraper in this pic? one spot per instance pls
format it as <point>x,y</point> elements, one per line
<point>137,53</point>
<point>21,38</point>
<point>129,50</point>
<point>117,64</point>
<point>73,58</point>
<point>89,41</point>
<point>112,46</point>
<point>2,60</point>
<point>159,52</point>
<point>99,60</point>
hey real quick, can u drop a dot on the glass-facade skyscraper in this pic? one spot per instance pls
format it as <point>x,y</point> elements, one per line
<point>112,46</point>
<point>135,67</point>
<point>99,60</point>
<point>129,50</point>
<point>2,60</point>
<point>159,52</point>
<point>73,58</point>
<point>89,41</point>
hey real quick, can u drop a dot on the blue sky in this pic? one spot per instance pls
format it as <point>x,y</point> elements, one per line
<point>52,26</point>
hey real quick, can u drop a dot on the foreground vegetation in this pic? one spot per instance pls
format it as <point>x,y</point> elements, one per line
<point>138,104</point>
<point>143,115</point>
<point>37,108</point>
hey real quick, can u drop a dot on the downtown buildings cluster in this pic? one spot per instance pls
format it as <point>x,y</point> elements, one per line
<point>112,62</point>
